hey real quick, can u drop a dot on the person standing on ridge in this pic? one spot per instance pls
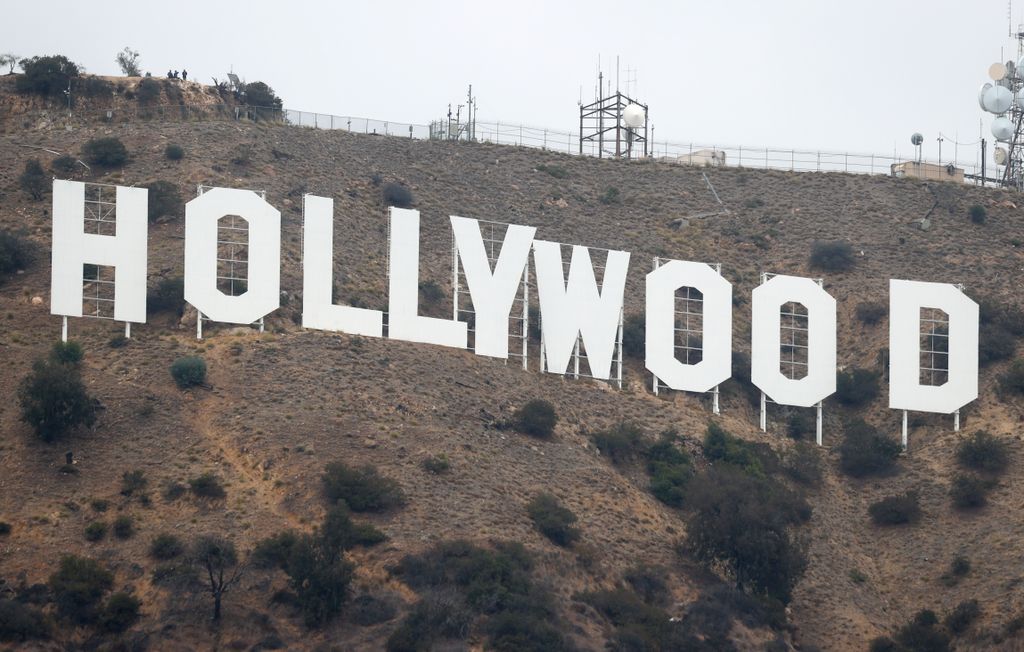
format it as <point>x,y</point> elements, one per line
<point>184,75</point>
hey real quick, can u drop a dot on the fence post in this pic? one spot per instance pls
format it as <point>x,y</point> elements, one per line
<point>792,160</point>
<point>818,165</point>
<point>765,158</point>
<point>739,162</point>
<point>846,162</point>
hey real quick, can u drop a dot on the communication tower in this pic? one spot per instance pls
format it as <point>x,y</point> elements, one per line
<point>1004,98</point>
<point>616,122</point>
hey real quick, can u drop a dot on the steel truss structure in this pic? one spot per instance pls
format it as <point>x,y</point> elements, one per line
<point>601,124</point>
<point>689,332</point>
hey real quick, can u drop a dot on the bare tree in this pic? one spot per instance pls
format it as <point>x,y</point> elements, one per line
<point>128,59</point>
<point>9,59</point>
<point>223,569</point>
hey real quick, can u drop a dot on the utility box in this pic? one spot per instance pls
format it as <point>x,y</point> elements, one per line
<point>932,171</point>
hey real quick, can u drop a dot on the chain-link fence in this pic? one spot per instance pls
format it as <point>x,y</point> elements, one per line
<point>567,142</point>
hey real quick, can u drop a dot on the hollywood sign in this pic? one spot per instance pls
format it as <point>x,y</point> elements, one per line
<point>574,308</point>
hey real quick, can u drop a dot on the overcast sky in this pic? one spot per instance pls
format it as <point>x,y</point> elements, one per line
<point>858,76</point>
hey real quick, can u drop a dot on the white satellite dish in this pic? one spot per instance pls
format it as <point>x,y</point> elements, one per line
<point>997,99</point>
<point>981,94</point>
<point>633,116</point>
<point>1000,156</point>
<point>1002,129</point>
<point>997,71</point>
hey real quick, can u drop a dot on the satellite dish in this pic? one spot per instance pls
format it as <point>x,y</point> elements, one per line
<point>633,116</point>
<point>1000,156</point>
<point>997,71</point>
<point>997,99</point>
<point>916,139</point>
<point>981,94</point>
<point>1002,129</point>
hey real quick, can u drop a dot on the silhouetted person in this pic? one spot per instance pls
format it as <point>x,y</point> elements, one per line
<point>170,75</point>
<point>184,74</point>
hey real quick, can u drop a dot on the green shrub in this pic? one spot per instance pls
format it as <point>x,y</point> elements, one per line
<point>368,610</point>
<point>857,387</point>
<point>5,528</point>
<point>556,171</point>
<point>207,486</point>
<point>164,200</point>
<point>148,91</point>
<point>871,312</point>
<point>648,582</point>
<point>720,446</point>
<point>741,522</point>
<point>969,491</point>
<point>16,253</point>
<point>174,152</point>
<point>803,464</point>
<point>273,552</point>
<point>78,586</point>
<point>638,626</point>
<point>553,520</point>
<point>536,418</point>
<point>983,452</point>
<point>47,75</point>
<point>634,336</point>
<point>437,464</point>
<point>105,152</point>
<point>922,633</point>
<point>119,613</point>
<point>395,194</point>
<point>124,527</point>
<point>99,504</point>
<point>69,352</point>
<point>834,256</point>
<point>20,622</point>
<point>621,443</point>
<point>864,451</point>
<point>670,469</point>
<point>995,343</point>
<point>338,532</point>
<point>438,616</point>
<point>63,165</point>
<point>33,179</point>
<point>960,619</point>
<point>430,292</point>
<point>174,491</point>
<point>133,482</point>
<point>896,510</point>
<point>53,399</point>
<point>320,577</point>
<point>169,294</point>
<point>977,213</point>
<point>362,489</point>
<point>800,424</point>
<point>166,546</point>
<point>189,371</point>
<point>95,531</point>
<point>1013,380</point>
<point>260,95</point>
<point>610,196</point>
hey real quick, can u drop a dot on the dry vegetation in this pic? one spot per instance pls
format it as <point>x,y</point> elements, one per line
<point>274,409</point>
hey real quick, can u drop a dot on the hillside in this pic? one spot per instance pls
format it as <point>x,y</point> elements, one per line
<point>282,404</point>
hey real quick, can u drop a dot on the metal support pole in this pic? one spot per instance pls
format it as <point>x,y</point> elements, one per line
<point>764,412</point>
<point>199,325</point>
<point>526,315</point>
<point>64,329</point>
<point>261,324</point>
<point>455,280</point>
<point>956,421</point>
<point>904,438</point>
<point>128,330</point>
<point>576,358</point>
<point>714,401</point>
<point>619,338</point>
<point>818,425</point>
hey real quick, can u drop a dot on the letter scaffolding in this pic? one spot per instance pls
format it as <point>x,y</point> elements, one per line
<point>232,258</point>
<point>492,234</point>
<point>688,332</point>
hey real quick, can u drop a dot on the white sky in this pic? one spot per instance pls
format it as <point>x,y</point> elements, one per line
<point>856,76</point>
